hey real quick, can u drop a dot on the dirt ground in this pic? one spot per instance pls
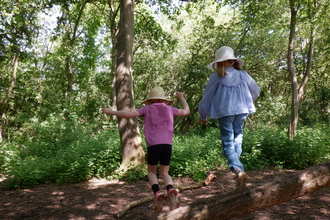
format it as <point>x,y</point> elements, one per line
<point>104,199</point>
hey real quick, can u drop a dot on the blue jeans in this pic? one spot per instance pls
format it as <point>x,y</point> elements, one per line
<point>231,131</point>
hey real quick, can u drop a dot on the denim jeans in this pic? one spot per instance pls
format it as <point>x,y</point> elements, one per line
<point>231,131</point>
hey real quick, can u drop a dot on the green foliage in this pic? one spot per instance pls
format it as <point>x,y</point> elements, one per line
<point>196,153</point>
<point>272,148</point>
<point>76,157</point>
<point>7,151</point>
<point>135,173</point>
<point>315,107</point>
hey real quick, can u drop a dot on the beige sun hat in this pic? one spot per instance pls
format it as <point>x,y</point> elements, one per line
<point>157,93</point>
<point>222,54</point>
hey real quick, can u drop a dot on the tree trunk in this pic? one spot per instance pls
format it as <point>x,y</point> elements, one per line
<point>237,203</point>
<point>114,38</point>
<point>6,99</point>
<point>298,91</point>
<point>291,67</point>
<point>132,150</point>
<point>70,44</point>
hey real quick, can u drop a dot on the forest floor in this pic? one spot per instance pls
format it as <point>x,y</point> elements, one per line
<point>104,199</point>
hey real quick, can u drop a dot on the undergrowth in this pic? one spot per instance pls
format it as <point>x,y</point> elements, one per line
<point>75,155</point>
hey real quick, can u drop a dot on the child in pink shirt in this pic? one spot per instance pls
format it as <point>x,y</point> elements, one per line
<point>158,128</point>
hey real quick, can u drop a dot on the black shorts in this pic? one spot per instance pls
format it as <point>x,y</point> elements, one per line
<point>160,153</point>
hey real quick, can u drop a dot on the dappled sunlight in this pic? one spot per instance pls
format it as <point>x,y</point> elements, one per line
<point>325,211</point>
<point>104,199</point>
<point>186,199</point>
<point>73,217</point>
<point>56,193</point>
<point>92,206</point>
<point>204,196</point>
<point>95,183</point>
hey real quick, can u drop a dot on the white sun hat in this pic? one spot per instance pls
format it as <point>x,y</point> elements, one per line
<point>222,54</point>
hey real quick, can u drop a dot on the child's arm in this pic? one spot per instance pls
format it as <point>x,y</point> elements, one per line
<point>121,114</point>
<point>186,110</point>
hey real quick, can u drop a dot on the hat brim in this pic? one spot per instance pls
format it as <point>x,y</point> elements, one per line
<point>168,101</point>
<point>211,67</point>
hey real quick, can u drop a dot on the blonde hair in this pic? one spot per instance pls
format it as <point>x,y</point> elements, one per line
<point>221,68</point>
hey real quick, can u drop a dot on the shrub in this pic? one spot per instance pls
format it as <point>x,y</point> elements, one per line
<point>264,148</point>
<point>79,155</point>
<point>196,153</point>
<point>38,163</point>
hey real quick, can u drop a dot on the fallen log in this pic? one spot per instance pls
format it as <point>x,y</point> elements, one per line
<point>178,188</point>
<point>237,203</point>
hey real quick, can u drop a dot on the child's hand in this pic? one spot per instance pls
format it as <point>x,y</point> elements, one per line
<point>179,95</point>
<point>105,110</point>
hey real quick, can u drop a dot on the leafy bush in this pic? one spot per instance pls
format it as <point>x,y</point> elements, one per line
<point>196,153</point>
<point>40,162</point>
<point>264,148</point>
<point>77,154</point>
<point>135,173</point>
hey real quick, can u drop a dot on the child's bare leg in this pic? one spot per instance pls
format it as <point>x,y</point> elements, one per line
<point>172,194</point>
<point>152,174</point>
<point>164,175</point>
<point>158,195</point>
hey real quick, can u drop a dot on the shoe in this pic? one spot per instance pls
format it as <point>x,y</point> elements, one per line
<point>172,197</point>
<point>158,202</point>
<point>240,179</point>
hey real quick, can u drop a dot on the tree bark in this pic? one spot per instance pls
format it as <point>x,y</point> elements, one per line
<point>113,26</point>
<point>298,90</point>
<point>132,150</point>
<point>6,99</point>
<point>291,68</point>
<point>237,203</point>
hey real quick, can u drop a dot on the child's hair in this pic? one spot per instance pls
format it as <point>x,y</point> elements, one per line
<point>156,101</point>
<point>221,69</point>
<point>237,65</point>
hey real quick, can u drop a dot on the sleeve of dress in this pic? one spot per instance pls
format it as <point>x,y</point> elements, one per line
<point>210,88</point>
<point>253,87</point>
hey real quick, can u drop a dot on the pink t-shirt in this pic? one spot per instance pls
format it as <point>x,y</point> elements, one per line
<point>158,123</point>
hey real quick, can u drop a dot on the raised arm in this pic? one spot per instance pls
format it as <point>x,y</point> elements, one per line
<point>121,114</point>
<point>186,110</point>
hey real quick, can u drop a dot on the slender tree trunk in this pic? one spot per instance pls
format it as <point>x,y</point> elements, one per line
<point>6,99</point>
<point>69,64</point>
<point>298,90</point>
<point>132,150</point>
<point>114,40</point>
<point>291,67</point>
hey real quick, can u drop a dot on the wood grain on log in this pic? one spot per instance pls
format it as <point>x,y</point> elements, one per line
<point>237,203</point>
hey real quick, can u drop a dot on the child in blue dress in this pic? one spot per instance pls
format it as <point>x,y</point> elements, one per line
<point>228,97</point>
